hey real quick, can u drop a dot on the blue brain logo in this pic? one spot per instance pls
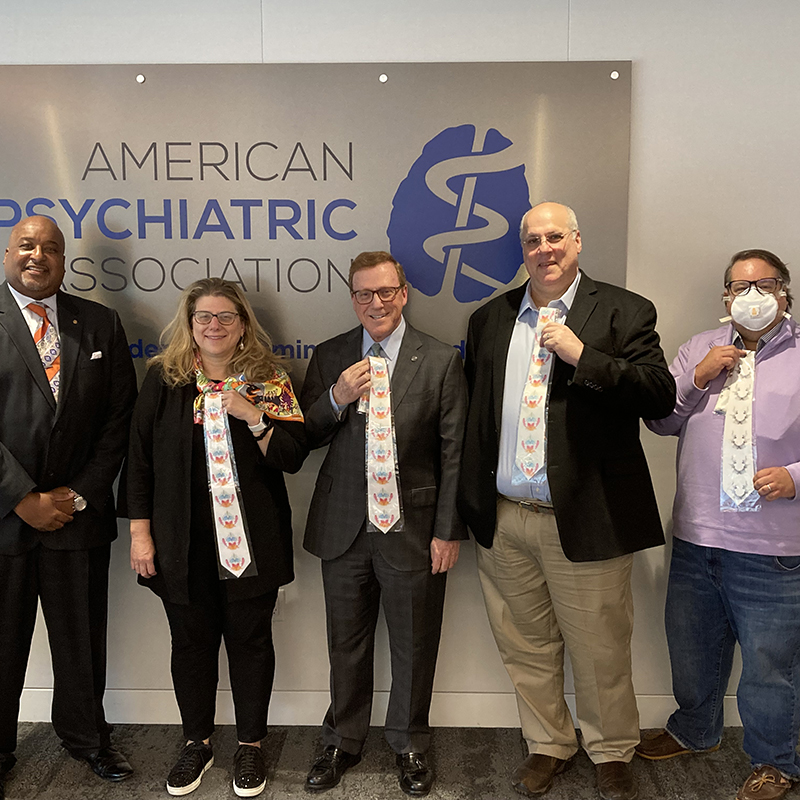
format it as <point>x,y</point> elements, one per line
<point>455,216</point>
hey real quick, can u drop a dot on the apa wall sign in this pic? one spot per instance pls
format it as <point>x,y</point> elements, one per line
<point>276,176</point>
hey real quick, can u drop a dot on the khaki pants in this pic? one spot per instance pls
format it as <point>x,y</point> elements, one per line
<point>538,601</point>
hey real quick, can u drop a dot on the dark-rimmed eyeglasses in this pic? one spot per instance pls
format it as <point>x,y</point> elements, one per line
<point>224,317</point>
<point>385,293</point>
<point>763,286</point>
<point>534,242</point>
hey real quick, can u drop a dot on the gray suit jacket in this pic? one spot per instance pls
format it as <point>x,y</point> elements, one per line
<point>79,443</point>
<point>429,402</point>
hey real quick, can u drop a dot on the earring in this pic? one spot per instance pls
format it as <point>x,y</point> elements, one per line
<point>241,344</point>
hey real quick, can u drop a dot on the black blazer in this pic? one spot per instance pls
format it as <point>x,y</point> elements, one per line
<point>429,403</point>
<point>158,484</point>
<point>81,442</point>
<point>601,488</point>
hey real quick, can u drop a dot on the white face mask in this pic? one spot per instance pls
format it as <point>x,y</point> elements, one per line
<point>753,310</point>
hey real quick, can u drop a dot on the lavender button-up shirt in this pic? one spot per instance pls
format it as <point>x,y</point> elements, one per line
<point>696,515</point>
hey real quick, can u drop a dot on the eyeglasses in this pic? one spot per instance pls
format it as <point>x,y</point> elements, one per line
<point>763,286</point>
<point>224,317</point>
<point>534,242</point>
<point>386,293</point>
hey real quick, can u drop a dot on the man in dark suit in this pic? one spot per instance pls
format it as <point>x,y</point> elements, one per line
<point>405,568</point>
<point>558,530</point>
<point>68,391</point>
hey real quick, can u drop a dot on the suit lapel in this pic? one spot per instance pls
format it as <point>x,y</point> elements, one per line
<point>348,354</point>
<point>583,305</point>
<point>409,360</point>
<point>351,353</point>
<point>507,315</point>
<point>13,322</point>
<point>70,328</point>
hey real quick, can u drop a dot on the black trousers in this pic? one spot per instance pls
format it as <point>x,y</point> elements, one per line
<point>73,588</point>
<point>356,584</point>
<point>197,631</point>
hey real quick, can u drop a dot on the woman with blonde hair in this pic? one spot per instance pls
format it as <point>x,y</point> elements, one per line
<point>215,427</point>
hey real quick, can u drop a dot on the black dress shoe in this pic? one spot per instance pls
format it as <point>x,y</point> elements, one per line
<point>7,761</point>
<point>329,767</point>
<point>416,775</point>
<point>108,763</point>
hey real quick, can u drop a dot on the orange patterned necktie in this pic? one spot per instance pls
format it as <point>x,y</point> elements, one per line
<point>49,348</point>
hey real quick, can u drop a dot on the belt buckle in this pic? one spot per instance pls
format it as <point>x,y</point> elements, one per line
<point>536,508</point>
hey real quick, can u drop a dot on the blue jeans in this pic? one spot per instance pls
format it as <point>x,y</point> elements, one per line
<point>714,599</point>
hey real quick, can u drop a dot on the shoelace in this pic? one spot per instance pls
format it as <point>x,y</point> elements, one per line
<point>248,759</point>
<point>767,777</point>
<point>189,761</point>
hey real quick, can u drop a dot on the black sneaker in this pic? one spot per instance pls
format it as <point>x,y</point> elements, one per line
<point>249,771</point>
<point>188,771</point>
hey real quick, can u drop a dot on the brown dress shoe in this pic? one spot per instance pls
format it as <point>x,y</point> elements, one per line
<point>535,774</point>
<point>615,781</point>
<point>660,745</point>
<point>765,783</point>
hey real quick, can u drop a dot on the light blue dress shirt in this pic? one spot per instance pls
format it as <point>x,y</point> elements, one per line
<point>391,348</point>
<point>517,364</point>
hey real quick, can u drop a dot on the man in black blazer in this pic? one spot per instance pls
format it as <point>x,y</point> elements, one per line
<point>555,559</point>
<point>64,412</point>
<point>404,570</point>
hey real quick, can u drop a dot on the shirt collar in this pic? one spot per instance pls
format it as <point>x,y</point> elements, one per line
<point>390,345</point>
<point>50,303</point>
<point>764,340</point>
<point>564,302</point>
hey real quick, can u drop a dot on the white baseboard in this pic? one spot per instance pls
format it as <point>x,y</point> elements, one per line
<point>449,709</point>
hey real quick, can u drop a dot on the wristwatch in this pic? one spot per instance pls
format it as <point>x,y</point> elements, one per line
<point>262,427</point>
<point>78,503</point>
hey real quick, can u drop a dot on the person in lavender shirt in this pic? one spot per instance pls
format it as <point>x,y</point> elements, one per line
<point>735,569</point>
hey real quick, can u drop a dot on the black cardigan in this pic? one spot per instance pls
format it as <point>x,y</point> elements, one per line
<point>158,488</point>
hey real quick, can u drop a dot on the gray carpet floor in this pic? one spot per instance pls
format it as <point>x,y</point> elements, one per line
<point>471,764</point>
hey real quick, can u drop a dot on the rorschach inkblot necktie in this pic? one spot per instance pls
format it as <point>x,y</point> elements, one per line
<point>384,511</point>
<point>738,449</point>
<point>530,456</point>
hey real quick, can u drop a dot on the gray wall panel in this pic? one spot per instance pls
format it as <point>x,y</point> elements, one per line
<point>714,167</point>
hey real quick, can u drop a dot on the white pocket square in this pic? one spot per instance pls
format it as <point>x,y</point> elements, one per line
<point>97,354</point>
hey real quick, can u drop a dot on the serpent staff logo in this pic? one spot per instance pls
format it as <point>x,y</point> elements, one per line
<point>455,216</point>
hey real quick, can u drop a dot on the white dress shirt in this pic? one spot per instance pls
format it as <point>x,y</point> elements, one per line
<point>32,319</point>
